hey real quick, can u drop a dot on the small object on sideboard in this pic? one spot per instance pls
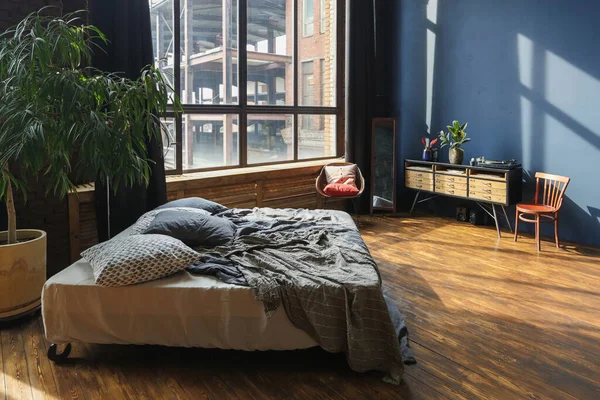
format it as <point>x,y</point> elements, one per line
<point>472,163</point>
<point>476,217</point>
<point>462,214</point>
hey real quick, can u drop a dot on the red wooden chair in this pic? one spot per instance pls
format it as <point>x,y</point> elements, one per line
<point>544,209</point>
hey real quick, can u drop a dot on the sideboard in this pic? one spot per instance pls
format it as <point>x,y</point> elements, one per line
<point>487,187</point>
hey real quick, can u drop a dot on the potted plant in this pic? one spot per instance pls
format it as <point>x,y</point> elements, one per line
<point>455,138</point>
<point>61,120</point>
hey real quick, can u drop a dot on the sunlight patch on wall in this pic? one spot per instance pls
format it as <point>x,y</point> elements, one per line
<point>432,11</point>
<point>526,130</point>
<point>432,8</point>
<point>573,91</point>
<point>525,51</point>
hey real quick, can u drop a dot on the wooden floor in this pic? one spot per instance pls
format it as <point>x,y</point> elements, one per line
<point>488,318</point>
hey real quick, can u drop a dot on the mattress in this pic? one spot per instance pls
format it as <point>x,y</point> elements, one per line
<point>182,310</point>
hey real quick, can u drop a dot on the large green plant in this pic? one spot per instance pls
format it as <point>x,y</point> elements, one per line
<point>456,135</point>
<point>54,109</point>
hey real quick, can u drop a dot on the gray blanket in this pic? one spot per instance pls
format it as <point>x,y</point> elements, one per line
<point>316,264</point>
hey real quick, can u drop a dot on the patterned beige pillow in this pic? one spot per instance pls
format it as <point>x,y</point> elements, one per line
<point>138,258</point>
<point>335,174</point>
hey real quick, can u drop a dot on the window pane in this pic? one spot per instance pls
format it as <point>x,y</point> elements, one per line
<point>308,16</point>
<point>270,48</point>
<point>320,51</point>
<point>323,14</point>
<point>168,140</point>
<point>209,66</point>
<point>316,136</point>
<point>161,17</point>
<point>210,140</point>
<point>270,138</point>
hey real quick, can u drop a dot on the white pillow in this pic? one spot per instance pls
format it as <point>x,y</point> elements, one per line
<point>335,173</point>
<point>138,258</point>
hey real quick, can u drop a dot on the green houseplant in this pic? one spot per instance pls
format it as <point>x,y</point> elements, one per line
<point>455,138</point>
<point>61,120</point>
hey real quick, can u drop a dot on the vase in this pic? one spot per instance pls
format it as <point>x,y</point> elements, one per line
<point>456,156</point>
<point>427,154</point>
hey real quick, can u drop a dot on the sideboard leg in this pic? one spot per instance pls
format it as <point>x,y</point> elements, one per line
<point>496,219</point>
<point>507,220</point>
<point>414,203</point>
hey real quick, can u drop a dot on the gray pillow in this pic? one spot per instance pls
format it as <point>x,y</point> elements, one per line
<point>195,202</point>
<point>194,229</point>
<point>138,258</point>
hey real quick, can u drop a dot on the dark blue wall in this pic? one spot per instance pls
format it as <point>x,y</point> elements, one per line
<point>525,74</point>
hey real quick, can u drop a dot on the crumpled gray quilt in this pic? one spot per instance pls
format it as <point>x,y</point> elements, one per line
<point>317,266</point>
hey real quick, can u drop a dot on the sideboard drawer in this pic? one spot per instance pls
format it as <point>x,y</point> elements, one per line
<point>419,175</point>
<point>419,185</point>
<point>455,191</point>
<point>450,179</point>
<point>450,185</point>
<point>483,194</point>
<point>419,180</point>
<point>484,184</point>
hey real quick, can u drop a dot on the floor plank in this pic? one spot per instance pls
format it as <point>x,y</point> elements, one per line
<point>40,374</point>
<point>488,319</point>
<point>18,384</point>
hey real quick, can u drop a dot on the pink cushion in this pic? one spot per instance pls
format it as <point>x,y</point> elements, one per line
<point>341,189</point>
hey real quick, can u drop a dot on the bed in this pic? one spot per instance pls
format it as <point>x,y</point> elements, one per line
<point>193,309</point>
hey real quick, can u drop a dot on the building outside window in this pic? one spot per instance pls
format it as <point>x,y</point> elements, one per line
<point>236,64</point>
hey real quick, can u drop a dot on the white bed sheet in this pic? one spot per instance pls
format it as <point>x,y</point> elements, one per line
<point>182,310</point>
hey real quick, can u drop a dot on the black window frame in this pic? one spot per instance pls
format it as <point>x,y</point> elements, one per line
<point>243,109</point>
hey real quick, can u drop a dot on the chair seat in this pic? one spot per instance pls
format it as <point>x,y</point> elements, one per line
<point>535,208</point>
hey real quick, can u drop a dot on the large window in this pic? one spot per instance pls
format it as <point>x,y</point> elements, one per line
<point>257,85</point>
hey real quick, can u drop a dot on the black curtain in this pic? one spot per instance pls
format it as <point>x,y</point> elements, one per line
<point>127,26</point>
<point>360,89</point>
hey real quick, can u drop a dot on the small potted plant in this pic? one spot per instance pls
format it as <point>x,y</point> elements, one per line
<point>428,154</point>
<point>455,138</point>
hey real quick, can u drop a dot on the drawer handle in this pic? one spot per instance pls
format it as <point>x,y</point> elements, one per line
<point>450,185</point>
<point>487,184</point>
<point>451,179</point>
<point>451,191</point>
<point>487,190</point>
<point>417,185</point>
<point>487,197</point>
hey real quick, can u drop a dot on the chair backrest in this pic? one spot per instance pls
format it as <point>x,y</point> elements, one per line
<point>553,190</point>
<point>321,181</point>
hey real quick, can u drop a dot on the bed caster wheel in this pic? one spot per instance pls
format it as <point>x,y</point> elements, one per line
<point>57,358</point>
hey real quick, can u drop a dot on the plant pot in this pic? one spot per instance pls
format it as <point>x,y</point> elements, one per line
<point>22,273</point>
<point>456,156</point>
